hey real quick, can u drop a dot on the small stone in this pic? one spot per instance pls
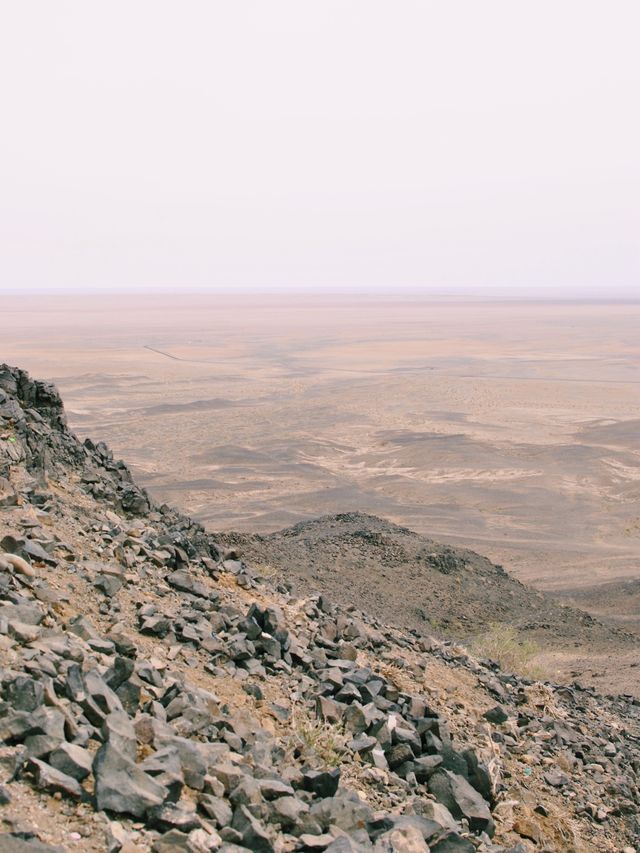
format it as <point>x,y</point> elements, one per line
<point>108,585</point>
<point>346,811</point>
<point>72,760</point>
<point>118,731</point>
<point>254,835</point>
<point>116,837</point>
<point>183,581</point>
<point>173,816</point>
<point>25,694</point>
<point>555,778</point>
<point>407,839</point>
<point>496,715</point>
<point>289,810</point>
<point>164,766</point>
<point>47,778</point>
<point>398,754</point>
<point>316,842</point>
<point>322,783</point>
<point>217,809</point>
<point>15,843</point>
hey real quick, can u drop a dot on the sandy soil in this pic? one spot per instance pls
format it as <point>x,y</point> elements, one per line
<point>510,428</point>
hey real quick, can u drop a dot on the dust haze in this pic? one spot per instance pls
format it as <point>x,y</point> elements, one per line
<point>510,427</point>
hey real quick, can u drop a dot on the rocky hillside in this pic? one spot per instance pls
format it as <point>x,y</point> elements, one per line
<point>411,581</point>
<point>158,693</point>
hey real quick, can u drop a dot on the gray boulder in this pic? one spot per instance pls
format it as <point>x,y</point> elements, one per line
<point>121,786</point>
<point>73,760</point>
<point>254,835</point>
<point>462,800</point>
<point>47,778</point>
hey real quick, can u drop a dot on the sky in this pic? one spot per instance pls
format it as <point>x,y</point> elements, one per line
<point>338,144</point>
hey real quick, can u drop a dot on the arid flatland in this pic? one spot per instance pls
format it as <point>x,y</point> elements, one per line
<point>508,427</point>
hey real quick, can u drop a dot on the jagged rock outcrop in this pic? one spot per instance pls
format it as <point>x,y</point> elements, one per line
<point>163,696</point>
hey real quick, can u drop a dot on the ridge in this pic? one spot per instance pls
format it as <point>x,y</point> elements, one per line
<point>159,692</point>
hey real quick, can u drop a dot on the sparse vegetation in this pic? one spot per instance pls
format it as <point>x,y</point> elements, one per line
<point>267,570</point>
<point>324,686</point>
<point>318,744</point>
<point>501,643</point>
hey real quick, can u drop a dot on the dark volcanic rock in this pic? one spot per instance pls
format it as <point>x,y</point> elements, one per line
<point>253,833</point>
<point>73,760</point>
<point>462,800</point>
<point>496,715</point>
<point>47,778</point>
<point>122,787</point>
<point>322,783</point>
<point>183,581</point>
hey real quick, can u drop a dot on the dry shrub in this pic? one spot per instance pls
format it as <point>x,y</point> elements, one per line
<point>502,644</point>
<point>397,677</point>
<point>316,743</point>
<point>266,570</point>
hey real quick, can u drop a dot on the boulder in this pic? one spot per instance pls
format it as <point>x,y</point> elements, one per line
<point>121,786</point>
<point>463,801</point>
<point>47,778</point>
<point>73,760</point>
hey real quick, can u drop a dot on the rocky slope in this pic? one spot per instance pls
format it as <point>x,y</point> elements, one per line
<point>157,693</point>
<point>413,582</point>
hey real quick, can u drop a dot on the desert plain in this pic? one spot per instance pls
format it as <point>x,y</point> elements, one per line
<point>511,427</point>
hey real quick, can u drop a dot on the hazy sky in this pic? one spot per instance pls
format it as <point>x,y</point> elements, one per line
<point>299,144</point>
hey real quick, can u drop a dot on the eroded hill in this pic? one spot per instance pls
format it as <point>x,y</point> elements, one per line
<point>410,581</point>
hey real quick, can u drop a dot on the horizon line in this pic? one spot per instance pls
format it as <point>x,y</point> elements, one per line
<point>528,294</point>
